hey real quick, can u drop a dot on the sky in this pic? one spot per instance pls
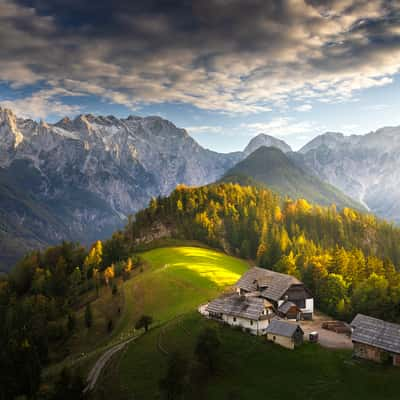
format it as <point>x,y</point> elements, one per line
<point>225,70</point>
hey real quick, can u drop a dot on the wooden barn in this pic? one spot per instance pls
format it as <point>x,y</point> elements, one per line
<point>286,334</point>
<point>376,340</point>
<point>283,291</point>
<point>289,310</point>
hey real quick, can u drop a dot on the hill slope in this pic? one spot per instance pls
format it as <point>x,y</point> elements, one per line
<point>271,167</point>
<point>200,274</point>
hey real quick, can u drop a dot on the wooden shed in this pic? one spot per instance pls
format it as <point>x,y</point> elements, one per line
<point>289,310</point>
<point>375,339</point>
<point>287,334</point>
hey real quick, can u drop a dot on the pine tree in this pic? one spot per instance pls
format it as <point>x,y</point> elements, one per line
<point>88,316</point>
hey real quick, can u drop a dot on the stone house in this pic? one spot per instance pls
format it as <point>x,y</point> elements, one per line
<point>284,333</point>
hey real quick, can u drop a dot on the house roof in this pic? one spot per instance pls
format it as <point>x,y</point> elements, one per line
<point>272,285</point>
<point>376,332</point>
<point>282,328</point>
<point>238,306</point>
<point>286,306</point>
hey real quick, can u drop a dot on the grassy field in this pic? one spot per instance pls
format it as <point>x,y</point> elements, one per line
<point>175,282</point>
<point>172,281</point>
<point>250,367</point>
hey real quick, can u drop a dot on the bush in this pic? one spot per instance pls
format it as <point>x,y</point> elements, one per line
<point>144,322</point>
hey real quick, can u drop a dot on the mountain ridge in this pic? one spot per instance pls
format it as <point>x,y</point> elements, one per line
<point>91,172</point>
<point>272,167</point>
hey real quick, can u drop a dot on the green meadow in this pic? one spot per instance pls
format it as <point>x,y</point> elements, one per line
<point>175,281</point>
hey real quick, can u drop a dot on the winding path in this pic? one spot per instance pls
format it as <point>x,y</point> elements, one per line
<point>101,363</point>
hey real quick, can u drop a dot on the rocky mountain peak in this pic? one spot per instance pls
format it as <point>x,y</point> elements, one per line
<point>10,135</point>
<point>328,139</point>
<point>268,141</point>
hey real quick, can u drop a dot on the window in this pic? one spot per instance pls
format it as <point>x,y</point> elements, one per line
<point>234,319</point>
<point>251,322</point>
<point>274,338</point>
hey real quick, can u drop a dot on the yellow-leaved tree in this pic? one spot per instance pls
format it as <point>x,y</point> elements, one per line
<point>109,274</point>
<point>128,266</point>
<point>94,258</point>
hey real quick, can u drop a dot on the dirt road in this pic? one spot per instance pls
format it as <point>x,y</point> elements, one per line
<point>329,339</point>
<point>101,363</point>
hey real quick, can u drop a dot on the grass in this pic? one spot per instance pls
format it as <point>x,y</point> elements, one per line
<point>251,367</point>
<point>176,281</point>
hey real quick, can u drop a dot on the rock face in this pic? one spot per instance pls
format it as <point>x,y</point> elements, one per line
<point>268,141</point>
<point>365,167</point>
<point>79,179</point>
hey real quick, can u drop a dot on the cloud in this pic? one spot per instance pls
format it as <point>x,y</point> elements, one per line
<point>304,108</point>
<point>283,127</point>
<point>41,104</point>
<point>227,56</point>
<point>204,129</point>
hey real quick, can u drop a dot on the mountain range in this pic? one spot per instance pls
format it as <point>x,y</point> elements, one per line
<point>273,168</point>
<point>79,179</point>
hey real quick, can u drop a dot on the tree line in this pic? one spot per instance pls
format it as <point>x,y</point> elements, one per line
<point>38,303</point>
<point>350,260</point>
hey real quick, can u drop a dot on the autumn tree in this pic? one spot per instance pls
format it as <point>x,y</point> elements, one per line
<point>94,258</point>
<point>109,274</point>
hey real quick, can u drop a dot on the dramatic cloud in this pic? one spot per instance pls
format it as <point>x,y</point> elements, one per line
<point>42,103</point>
<point>223,55</point>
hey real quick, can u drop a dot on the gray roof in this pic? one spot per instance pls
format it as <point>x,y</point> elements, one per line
<point>238,306</point>
<point>377,333</point>
<point>286,306</point>
<point>282,328</point>
<point>272,285</point>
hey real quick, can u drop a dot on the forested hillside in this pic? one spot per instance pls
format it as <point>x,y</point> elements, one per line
<point>350,260</point>
<point>270,166</point>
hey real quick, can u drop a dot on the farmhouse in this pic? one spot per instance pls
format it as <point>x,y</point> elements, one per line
<point>376,340</point>
<point>287,334</point>
<point>286,293</point>
<point>249,312</point>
